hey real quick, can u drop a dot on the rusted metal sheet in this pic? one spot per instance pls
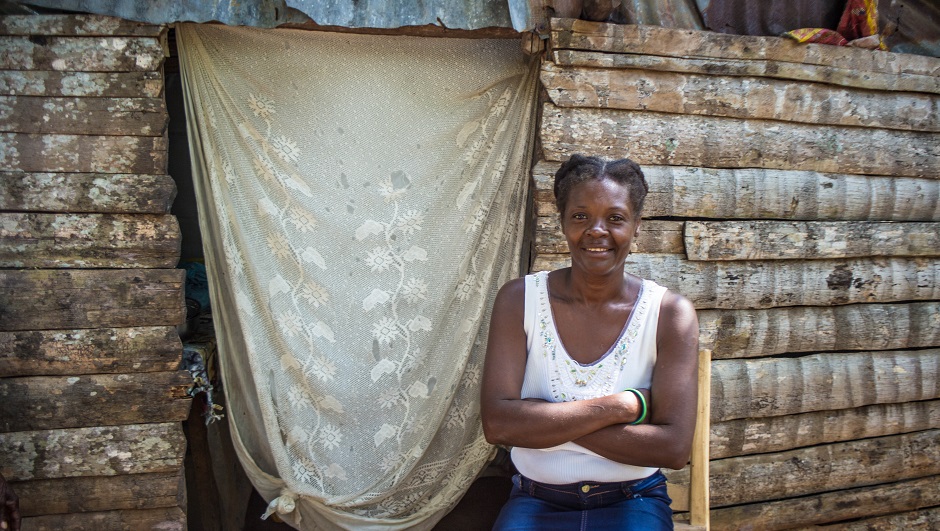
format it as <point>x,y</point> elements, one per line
<point>462,14</point>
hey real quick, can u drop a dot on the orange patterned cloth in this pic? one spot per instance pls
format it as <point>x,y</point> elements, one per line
<point>860,19</point>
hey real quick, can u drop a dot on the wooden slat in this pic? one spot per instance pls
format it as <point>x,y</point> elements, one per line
<point>655,236</point>
<point>91,494</point>
<point>830,506</point>
<point>919,520</point>
<point>770,283</point>
<point>89,240</point>
<point>777,434</point>
<point>766,477</point>
<point>799,72</point>
<point>89,351</point>
<point>162,519</point>
<point>738,97</point>
<point>81,25</point>
<point>757,333</point>
<point>81,84</point>
<point>86,192</point>
<point>751,193</point>
<point>83,116</point>
<point>807,240</point>
<point>56,402</point>
<point>687,140</point>
<point>82,54</point>
<point>655,40</point>
<point>771,387</point>
<point>95,451</point>
<point>83,153</point>
<point>699,493</point>
<point>47,299</point>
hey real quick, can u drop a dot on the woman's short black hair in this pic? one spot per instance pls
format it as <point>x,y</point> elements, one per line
<point>581,168</point>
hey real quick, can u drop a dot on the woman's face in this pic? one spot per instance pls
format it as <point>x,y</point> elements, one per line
<point>599,224</point>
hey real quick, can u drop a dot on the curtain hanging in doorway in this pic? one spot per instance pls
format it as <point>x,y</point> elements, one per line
<point>361,200</point>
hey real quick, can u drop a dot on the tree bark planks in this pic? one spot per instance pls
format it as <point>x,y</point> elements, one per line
<point>806,471</point>
<point>81,84</point>
<point>808,240</point>
<point>752,193</point>
<point>77,25</point>
<point>920,520</point>
<point>57,402</point>
<point>162,519</point>
<point>87,192</point>
<point>777,434</point>
<point>83,153</point>
<point>739,97</point>
<point>89,241</point>
<point>82,54</point>
<point>94,451</point>
<point>757,333</point>
<point>686,140</point>
<point>854,63</point>
<point>46,299</point>
<point>104,493</point>
<point>830,506</point>
<point>785,386</point>
<point>89,351</point>
<point>83,116</point>
<point>771,283</point>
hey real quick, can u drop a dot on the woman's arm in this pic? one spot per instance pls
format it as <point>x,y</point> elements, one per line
<point>510,420</point>
<point>667,440</point>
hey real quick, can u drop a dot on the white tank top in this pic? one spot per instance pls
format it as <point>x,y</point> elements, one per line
<point>552,375</point>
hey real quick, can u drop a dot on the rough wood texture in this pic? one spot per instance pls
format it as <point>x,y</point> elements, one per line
<point>752,193</point>
<point>770,387</point>
<point>55,402</point>
<point>91,494</point>
<point>920,520</point>
<point>89,240</point>
<point>739,97</point>
<point>830,506</point>
<point>845,65</point>
<point>162,519</point>
<point>687,140</point>
<point>87,192</point>
<point>97,451</point>
<point>757,478</point>
<point>655,236</point>
<point>46,299</point>
<point>79,25</point>
<point>770,283</point>
<point>89,351</point>
<point>757,333</point>
<point>776,434</point>
<point>82,54</point>
<point>83,153</point>
<point>83,116</point>
<point>808,240</point>
<point>81,84</point>
<point>787,72</point>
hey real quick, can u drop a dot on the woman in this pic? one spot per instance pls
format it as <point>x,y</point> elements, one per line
<point>590,373</point>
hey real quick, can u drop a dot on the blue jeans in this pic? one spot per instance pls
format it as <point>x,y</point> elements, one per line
<point>641,505</point>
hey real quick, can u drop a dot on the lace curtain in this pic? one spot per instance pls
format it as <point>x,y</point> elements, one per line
<point>361,200</point>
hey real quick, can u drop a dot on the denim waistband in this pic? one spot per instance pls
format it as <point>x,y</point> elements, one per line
<point>589,494</point>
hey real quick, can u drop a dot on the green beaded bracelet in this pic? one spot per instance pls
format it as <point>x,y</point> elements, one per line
<point>643,407</point>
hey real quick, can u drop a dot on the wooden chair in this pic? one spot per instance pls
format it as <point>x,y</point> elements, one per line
<point>693,499</point>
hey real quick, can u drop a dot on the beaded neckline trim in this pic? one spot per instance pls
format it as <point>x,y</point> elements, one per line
<point>571,380</point>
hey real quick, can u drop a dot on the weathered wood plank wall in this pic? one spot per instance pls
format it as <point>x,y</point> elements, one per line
<point>795,199</point>
<point>91,395</point>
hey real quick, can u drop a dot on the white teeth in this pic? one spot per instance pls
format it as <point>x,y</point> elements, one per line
<point>596,249</point>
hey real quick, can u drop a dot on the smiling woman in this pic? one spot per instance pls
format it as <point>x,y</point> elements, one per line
<point>596,390</point>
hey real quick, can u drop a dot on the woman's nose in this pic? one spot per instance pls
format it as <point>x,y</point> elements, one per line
<point>597,229</point>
